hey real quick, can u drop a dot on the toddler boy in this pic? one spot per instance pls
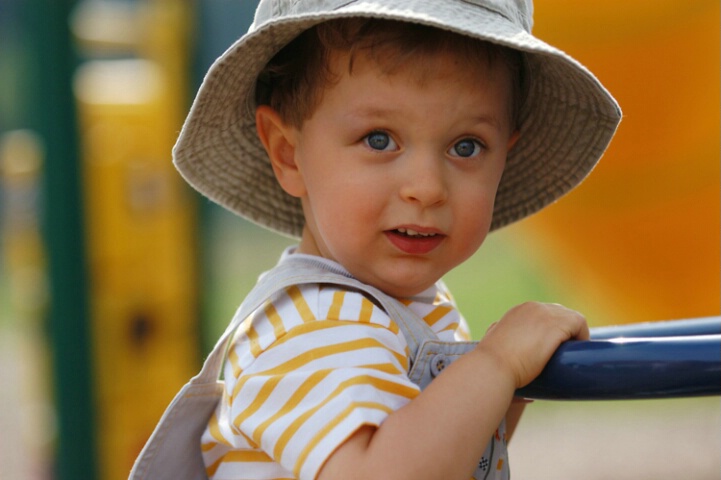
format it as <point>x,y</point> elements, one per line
<point>392,136</point>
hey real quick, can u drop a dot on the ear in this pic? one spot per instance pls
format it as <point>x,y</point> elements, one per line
<point>279,140</point>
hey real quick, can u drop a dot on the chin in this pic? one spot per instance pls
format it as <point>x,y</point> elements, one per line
<point>401,289</point>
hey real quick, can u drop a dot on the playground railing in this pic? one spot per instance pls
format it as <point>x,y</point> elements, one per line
<point>680,358</point>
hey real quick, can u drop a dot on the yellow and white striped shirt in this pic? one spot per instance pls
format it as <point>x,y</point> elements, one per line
<point>305,371</point>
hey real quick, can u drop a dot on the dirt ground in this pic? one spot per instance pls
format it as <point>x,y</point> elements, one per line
<point>620,440</point>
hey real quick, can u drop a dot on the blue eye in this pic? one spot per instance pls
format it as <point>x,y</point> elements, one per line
<point>466,148</point>
<point>380,141</point>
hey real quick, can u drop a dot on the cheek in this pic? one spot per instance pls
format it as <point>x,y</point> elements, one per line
<point>339,215</point>
<point>475,215</point>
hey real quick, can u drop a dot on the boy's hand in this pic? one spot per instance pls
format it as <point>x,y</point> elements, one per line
<point>528,334</point>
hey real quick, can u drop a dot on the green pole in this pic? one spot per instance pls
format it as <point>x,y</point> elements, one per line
<point>53,115</point>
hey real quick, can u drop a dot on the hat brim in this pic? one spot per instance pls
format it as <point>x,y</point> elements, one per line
<point>566,122</point>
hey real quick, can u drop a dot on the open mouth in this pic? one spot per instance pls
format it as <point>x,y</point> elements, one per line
<point>412,233</point>
<point>414,242</point>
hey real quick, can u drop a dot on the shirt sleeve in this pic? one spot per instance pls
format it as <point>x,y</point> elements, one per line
<point>309,370</point>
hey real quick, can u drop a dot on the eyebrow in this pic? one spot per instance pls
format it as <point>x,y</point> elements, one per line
<point>379,112</point>
<point>492,120</point>
<point>372,111</point>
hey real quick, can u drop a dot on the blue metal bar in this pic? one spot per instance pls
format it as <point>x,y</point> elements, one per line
<point>673,328</point>
<point>631,368</point>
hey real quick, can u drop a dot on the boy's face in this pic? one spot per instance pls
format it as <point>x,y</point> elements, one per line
<point>398,173</point>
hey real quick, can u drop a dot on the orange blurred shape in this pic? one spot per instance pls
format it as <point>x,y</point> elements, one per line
<point>644,229</point>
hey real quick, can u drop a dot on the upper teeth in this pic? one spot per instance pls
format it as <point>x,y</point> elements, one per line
<point>408,231</point>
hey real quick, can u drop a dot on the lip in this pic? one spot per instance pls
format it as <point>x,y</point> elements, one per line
<point>422,244</point>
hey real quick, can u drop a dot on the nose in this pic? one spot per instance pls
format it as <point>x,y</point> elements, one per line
<point>424,180</point>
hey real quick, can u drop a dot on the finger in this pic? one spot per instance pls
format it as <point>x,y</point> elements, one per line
<point>584,333</point>
<point>579,326</point>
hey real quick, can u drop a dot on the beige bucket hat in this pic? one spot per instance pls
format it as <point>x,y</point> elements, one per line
<point>567,121</point>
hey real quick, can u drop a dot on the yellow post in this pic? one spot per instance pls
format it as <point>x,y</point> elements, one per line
<point>139,222</point>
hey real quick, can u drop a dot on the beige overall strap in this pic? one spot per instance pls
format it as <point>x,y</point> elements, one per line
<point>304,270</point>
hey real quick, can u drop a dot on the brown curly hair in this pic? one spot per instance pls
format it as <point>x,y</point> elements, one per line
<point>292,82</point>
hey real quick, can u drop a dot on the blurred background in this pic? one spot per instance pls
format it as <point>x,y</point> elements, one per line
<point>115,278</point>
